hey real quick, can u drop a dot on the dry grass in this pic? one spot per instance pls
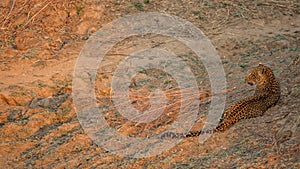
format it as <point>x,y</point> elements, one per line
<point>39,44</point>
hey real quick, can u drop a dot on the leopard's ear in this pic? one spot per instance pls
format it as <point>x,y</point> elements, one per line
<point>260,64</point>
<point>263,71</point>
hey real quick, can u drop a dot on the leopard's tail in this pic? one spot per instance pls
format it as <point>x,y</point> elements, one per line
<point>183,135</point>
<point>221,127</point>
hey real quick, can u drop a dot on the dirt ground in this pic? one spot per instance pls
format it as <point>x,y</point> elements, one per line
<point>40,42</point>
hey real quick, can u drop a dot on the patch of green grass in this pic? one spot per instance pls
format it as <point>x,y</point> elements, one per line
<point>20,93</point>
<point>116,2</point>
<point>11,42</point>
<point>51,110</point>
<point>79,10</point>
<point>30,56</point>
<point>240,13</point>
<point>143,81</point>
<point>242,65</point>
<point>240,3</point>
<point>41,84</point>
<point>138,5</point>
<point>198,14</point>
<point>146,1</point>
<point>167,81</point>
<point>104,18</point>
<point>58,82</point>
<point>279,37</point>
<point>209,4</point>
<point>271,52</point>
<point>247,59</point>
<point>105,76</point>
<point>294,49</point>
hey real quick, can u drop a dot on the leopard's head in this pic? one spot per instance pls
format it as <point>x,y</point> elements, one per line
<point>260,76</point>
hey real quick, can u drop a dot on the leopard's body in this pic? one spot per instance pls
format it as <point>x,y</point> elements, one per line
<point>266,95</point>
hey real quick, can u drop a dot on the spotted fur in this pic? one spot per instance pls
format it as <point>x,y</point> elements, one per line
<point>266,95</point>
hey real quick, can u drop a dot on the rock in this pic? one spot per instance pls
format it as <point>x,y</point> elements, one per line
<point>52,102</point>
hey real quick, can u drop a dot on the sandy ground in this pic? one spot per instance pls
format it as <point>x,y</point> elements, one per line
<point>41,41</point>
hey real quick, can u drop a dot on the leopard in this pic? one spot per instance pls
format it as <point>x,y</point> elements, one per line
<point>266,95</point>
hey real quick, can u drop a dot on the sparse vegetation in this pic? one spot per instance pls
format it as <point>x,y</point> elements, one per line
<point>79,10</point>
<point>52,34</point>
<point>138,5</point>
